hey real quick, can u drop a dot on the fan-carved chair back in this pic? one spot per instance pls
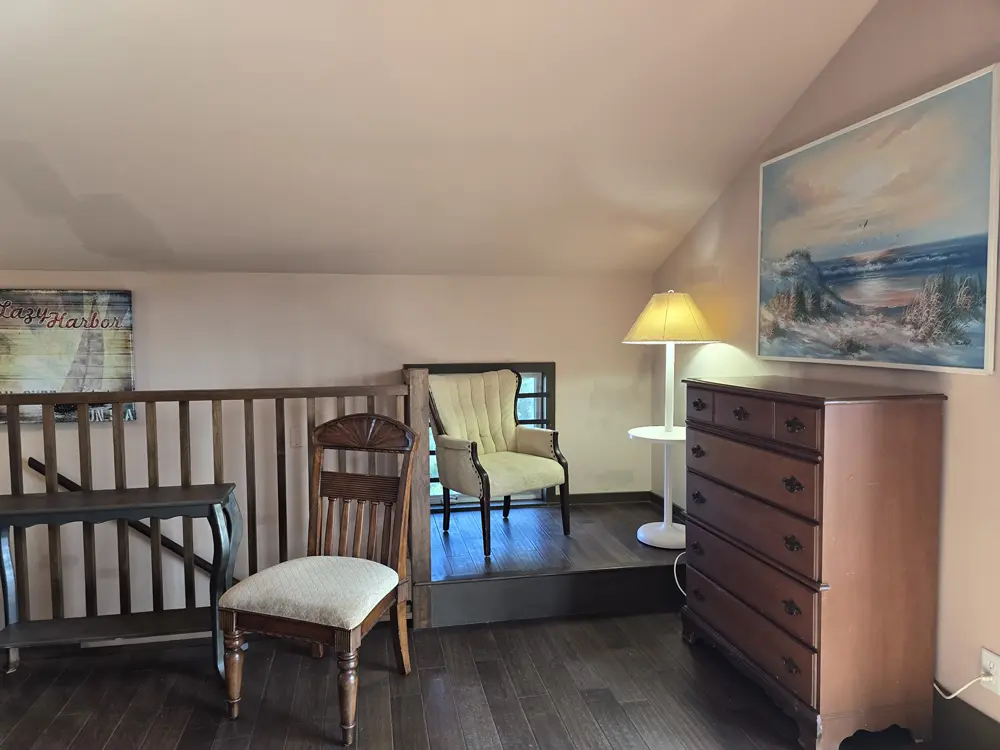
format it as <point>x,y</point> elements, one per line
<point>355,569</point>
<point>361,515</point>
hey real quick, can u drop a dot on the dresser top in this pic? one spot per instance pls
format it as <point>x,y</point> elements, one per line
<point>803,389</point>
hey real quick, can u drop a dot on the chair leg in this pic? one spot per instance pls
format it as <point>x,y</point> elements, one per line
<point>484,510</point>
<point>234,671</point>
<point>347,689</point>
<point>564,504</point>
<point>397,614</point>
<point>446,499</point>
<point>506,506</point>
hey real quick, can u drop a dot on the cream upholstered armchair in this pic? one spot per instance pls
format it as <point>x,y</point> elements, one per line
<point>483,452</point>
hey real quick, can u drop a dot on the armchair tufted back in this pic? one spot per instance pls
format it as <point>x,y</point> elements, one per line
<point>478,407</point>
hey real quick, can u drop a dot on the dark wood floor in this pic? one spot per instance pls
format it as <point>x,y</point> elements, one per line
<point>597,683</point>
<point>531,541</point>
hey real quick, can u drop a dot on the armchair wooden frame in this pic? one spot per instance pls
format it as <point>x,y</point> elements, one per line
<point>349,496</point>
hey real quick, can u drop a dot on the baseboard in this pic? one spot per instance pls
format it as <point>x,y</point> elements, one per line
<point>575,498</point>
<point>620,591</point>
<point>959,726</point>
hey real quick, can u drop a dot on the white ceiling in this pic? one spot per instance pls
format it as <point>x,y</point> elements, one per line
<point>383,136</point>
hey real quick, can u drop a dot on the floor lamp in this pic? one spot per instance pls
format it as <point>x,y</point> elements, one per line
<point>669,318</point>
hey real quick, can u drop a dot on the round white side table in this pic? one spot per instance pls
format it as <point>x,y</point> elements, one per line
<point>666,535</point>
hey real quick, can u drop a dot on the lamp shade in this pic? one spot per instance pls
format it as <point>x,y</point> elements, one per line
<point>670,317</point>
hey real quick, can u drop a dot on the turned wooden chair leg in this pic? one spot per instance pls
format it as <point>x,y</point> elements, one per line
<point>397,614</point>
<point>347,689</point>
<point>564,504</point>
<point>506,506</point>
<point>446,500</point>
<point>234,670</point>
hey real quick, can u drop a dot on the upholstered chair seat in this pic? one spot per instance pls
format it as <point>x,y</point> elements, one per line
<point>483,452</point>
<point>339,592</point>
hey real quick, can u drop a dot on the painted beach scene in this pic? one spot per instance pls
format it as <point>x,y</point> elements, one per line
<point>877,244</point>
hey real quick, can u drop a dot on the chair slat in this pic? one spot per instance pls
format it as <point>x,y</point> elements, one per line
<point>387,516</point>
<point>359,525</point>
<point>124,573</point>
<point>87,483</point>
<point>345,522</point>
<point>331,516</point>
<point>184,415</point>
<point>55,533</point>
<point>370,551</point>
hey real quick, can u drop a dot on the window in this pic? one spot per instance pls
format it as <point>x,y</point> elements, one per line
<point>535,405</point>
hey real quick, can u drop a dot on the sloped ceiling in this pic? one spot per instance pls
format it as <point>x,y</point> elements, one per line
<point>379,136</point>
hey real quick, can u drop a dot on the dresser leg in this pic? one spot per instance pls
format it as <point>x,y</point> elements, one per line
<point>810,733</point>
<point>689,632</point>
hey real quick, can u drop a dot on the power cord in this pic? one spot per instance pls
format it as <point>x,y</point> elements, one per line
<point>986,679</point>
<point>677,579</point>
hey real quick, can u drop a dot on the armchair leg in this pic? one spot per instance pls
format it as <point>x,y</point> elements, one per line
<point>347,689</point>
<point>234,671</point>
<point>397,615</point>
<point>446,499</point>
<point>484,509</point>
<point>564,503</point>
<point>506,506</point>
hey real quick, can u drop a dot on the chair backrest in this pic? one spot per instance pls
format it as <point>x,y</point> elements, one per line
<point>477,406</point>
<point>367,514</point>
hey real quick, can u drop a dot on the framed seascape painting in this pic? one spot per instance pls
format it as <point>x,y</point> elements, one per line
<point>878,243</point>
<point>55,341</point>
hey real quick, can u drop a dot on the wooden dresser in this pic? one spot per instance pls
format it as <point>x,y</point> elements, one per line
<point>812,546</point>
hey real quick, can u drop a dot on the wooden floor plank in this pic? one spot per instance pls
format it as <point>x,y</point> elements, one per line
<point>142,712</point>
<point>271,726</point>
<point>167,728</point>
<point>477,723</point>
<point>123,687</point>
<point>444,730</point>
<point>61,732</point>
<point>517,661</point>
<point>308,714</point>
<point>409,729</point>
<point>17,707</point>
<point>48,706</point>
<point>548,728</point>
<point>505,707</point>
<point>614,722</point>
<point>374,705</point>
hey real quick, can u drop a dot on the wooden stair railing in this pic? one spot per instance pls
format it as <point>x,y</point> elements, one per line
<point>168,544</point>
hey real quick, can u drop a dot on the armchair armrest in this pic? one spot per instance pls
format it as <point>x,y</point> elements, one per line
<point>458,465</point>
<point>536,441</point>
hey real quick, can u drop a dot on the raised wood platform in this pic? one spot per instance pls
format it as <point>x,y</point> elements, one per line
<point>536,571</point>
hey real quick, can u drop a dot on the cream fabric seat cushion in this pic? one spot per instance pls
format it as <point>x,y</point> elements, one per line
<point>511,473</point>
<point>336,591</point>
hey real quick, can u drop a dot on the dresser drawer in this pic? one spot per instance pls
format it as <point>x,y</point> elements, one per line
<point>797,425</point>
<point>784,538</point>
<point>789,605</point>
<point>782,480</point>
<point>700,404</point>
<point>745,413</point>
<point>777,653</point>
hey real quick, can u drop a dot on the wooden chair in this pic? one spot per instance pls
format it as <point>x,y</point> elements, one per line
<point>335,600</point>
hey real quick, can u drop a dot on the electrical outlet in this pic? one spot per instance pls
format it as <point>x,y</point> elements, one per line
<point>991,665</point>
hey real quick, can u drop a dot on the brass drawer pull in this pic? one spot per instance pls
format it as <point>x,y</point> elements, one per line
<point>790,666</point>
<point>697,451</point>
<point>792,485</point>
<point>791,608</point>
<point>792,544</point>
<point>699,405</point>
<point>698,497</point>
<point>741,414</point>
<point>696,593</point>
<point>794,425</point>
<point>697,548</point>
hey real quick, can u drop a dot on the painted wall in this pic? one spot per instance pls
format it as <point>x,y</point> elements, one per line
<point>254,330</point>
<point>903,49</point>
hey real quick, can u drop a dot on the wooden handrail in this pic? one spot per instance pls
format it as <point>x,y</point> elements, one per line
<point>220,394</point>
<point>167,543</point>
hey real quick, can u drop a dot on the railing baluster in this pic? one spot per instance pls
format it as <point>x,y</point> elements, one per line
<point>372,458</point>
<point>341,455</point>
<point>17,488</point>
<point>251,461</point>
<point>87,483</point>
<point>217,441</point>
<point>155,532</point>
<point>124,573</point>
<point>55,533</point>
<point>310,446</point>
<point>184,415</point>
<point>282,467</point>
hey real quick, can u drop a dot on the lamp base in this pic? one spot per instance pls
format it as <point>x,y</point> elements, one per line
<point>663,535</point>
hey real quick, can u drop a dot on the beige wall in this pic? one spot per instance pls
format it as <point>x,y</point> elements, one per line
<point>903,49</point>
<point>245,330</point>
